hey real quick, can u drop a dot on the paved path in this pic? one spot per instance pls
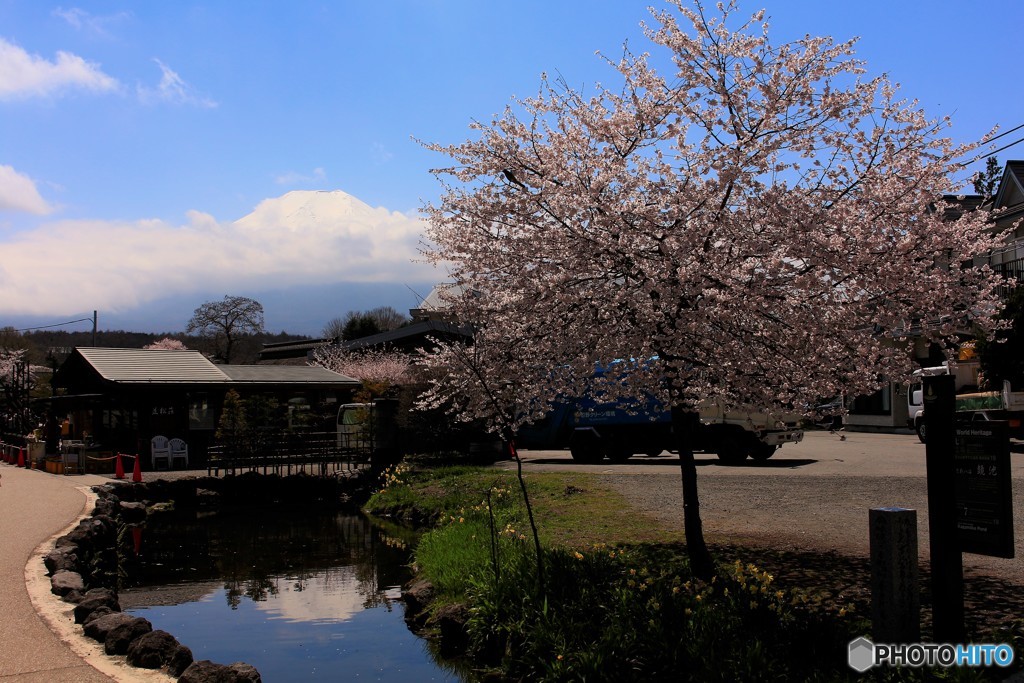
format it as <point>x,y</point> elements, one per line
<point>35,507</point>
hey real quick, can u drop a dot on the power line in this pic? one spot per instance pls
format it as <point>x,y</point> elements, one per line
<point>45,327</point>
<point>1005,146</point>
<point>984,155</point>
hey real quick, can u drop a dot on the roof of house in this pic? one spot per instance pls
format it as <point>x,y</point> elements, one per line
<point>291,349</point>
<point>150,366</point>
<point>1010,195</point>
<point>161,366</point>
<point>410,336</point>
<point>285,374</point>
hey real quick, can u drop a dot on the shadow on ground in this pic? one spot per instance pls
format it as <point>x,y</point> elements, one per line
<point>992,607</point>
<point>673,461</point>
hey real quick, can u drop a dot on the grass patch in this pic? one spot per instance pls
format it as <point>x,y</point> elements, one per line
<point>620,603</point>
<point>572,509</point>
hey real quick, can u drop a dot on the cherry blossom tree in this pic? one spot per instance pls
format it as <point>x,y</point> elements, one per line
<point>167,344</point>
<point>763,226</point>
<point>378,369</point>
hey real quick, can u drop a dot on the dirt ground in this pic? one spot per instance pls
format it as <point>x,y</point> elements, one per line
<point>812,532</point>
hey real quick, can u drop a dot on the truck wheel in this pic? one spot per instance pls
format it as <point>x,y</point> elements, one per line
<point>586,454</point>
<point>731,451</point>
<point>762,451</point>
<point>919,428</point>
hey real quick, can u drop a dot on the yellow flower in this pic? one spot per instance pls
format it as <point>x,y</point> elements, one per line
<point>578,555</point>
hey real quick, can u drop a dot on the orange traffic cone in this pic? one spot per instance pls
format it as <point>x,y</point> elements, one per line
<point>137,472</point>
<point>119,470</point>
<point>21,457</point>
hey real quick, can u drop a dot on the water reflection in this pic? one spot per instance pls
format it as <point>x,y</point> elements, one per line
<point>303,595</point>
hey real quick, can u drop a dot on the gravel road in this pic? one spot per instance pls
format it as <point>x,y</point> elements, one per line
<point>811,496</point>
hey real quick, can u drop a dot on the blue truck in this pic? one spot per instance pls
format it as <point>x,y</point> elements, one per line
<point>595,431</point>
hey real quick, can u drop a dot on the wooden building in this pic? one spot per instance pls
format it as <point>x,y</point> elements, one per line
<point>119,399</point>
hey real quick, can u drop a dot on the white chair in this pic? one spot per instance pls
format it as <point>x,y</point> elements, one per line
<point>179,451</point>
<point>160,450</point>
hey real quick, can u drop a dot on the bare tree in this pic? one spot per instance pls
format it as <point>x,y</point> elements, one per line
<point>224,322</point>
<point>358,324</point>
<point>334,329</point>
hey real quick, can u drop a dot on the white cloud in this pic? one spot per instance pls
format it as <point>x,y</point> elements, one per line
<point>18,193</point>
<point>302,238</point>
<point>317,178</point>
<point>93,24</point>
<point>23,75</point>
<point>173,89</point>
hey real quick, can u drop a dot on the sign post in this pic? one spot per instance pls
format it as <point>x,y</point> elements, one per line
<point>984,498</point>
<point>946,561</point>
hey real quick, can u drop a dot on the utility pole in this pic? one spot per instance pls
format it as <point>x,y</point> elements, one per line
<point>94,320</point>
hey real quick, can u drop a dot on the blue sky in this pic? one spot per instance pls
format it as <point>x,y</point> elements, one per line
<point>127,129</point>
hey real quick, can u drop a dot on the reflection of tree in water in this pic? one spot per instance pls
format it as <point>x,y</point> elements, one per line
<point>259,552</point>
<point>256,590</point>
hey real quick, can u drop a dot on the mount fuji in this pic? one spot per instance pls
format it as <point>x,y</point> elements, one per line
<point>306,256</point>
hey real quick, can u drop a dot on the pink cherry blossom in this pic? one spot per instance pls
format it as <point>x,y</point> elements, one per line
<point>765,220</point>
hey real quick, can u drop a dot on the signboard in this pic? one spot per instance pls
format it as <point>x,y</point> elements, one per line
<point>983,491</point>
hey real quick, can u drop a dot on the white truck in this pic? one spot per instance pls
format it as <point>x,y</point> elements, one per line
<point>971,405</point>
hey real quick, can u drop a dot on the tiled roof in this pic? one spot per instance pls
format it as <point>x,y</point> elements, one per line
<point>292,349</point>
<point>152,366</point>
<point>416,331</point>
<point>159,366</point>
<point>284,374</point>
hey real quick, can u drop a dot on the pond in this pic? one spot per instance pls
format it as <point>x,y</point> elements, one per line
<point>301,594</point>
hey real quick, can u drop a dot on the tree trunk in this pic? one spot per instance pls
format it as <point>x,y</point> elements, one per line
<point>684,426</point>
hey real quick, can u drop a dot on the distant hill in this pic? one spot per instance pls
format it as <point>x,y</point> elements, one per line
<point>43,341</point>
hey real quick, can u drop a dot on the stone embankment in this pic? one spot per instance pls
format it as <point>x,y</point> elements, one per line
<point>83,565</point>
